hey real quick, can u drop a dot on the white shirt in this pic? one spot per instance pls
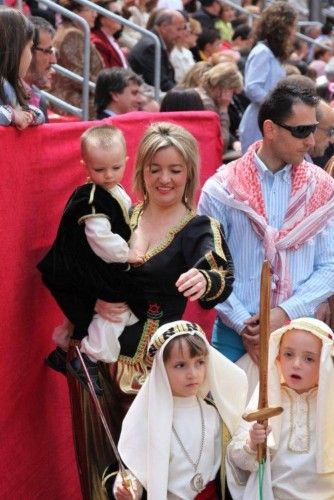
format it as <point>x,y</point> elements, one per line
<point>170,4</point>
<point>182,60</point>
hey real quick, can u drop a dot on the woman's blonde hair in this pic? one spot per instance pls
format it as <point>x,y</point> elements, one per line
<point>162,135</point>
<point>193,77</point>
<point>225,75</point>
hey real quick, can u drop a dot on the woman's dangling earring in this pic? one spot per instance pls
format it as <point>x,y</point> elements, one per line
<point>185,197</point>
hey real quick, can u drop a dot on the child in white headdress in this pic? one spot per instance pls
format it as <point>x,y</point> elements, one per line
<point>300,457</point>
<point>172,438</point>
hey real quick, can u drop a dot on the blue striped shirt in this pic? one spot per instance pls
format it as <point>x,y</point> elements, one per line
<point>311,266</point>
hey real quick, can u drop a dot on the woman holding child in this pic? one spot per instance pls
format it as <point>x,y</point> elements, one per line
<point>184,257</point>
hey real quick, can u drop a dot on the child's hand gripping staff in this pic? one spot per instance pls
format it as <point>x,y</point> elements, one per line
<point>263,412</point>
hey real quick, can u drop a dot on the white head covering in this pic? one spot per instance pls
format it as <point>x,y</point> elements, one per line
<point>145,439</point>
<point>325,398</point>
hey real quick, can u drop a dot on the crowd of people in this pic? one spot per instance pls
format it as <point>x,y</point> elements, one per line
<point>122,274</point>
<point>246,61</point>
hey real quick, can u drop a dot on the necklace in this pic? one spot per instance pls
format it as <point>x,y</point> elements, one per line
<point>196,483</point>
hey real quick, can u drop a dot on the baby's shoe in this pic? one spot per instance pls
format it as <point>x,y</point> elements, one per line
<point>75,368</point>
<point>57,360</point>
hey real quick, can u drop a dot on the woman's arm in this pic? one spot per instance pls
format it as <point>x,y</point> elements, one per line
<point>207,254</point>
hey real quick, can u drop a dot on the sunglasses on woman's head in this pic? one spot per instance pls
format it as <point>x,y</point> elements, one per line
<point>300,131</point>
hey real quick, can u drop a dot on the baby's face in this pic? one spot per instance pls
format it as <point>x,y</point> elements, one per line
<point>105,167</point>
<point>299,359</point>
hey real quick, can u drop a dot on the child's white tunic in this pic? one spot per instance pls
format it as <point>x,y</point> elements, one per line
<point>187,423</point>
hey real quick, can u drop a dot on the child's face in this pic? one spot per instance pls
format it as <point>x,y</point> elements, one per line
<point>185,374</point>
<point>299,359</point>
<point>105,167</point>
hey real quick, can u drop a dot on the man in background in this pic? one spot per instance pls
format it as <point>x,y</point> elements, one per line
<point>40,72</point>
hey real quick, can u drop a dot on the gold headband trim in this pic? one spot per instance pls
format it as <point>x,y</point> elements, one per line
<point>179,328</point>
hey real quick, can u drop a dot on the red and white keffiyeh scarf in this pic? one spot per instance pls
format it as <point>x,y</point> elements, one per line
<point>310,209</point>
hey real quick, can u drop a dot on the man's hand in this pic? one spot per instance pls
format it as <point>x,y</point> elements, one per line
<point>251,333</point>
<point>278,318</point>
<point>251,344</point>
<point>324,313</point>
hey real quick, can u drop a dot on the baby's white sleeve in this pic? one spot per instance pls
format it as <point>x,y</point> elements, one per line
<point>107,245</point>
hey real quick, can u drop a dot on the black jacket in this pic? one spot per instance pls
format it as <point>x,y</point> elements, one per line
<point>141,60</point>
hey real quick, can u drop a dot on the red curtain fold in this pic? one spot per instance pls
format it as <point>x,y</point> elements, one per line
<point>39,169</point>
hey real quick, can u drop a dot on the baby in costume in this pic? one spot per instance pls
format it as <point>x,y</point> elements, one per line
<point>300,457</point>
<point>174,436</point>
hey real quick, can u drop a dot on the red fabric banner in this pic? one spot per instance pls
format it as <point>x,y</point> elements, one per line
<point>40,167</point>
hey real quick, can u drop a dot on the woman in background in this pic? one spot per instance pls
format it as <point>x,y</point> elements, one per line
<point>274,36</point>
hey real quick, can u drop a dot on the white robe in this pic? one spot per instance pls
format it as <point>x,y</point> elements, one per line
<point>293,464</point>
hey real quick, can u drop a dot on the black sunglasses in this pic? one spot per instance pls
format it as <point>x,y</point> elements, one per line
<point>300,131</point>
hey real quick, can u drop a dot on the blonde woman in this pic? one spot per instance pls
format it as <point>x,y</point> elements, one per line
<point>216,90</point>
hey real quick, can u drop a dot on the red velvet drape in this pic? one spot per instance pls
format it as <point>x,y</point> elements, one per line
<point>39,169</point>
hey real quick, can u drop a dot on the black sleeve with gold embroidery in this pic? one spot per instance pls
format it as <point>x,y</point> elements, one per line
<point>91,200</point>
<point>205,248</point>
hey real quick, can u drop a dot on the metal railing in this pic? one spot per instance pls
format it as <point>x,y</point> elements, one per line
<point>84,79</point>
<point>88,85</point>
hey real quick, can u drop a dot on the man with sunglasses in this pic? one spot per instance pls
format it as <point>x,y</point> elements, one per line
<point>274,205</point>
<point>40,72</point>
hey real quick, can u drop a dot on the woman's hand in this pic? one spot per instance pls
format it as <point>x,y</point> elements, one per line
<point>191,284</point>
<point>224,99</point>
<point>111,311</point>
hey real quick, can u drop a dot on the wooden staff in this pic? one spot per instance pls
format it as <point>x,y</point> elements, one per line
<point>263,412</point>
